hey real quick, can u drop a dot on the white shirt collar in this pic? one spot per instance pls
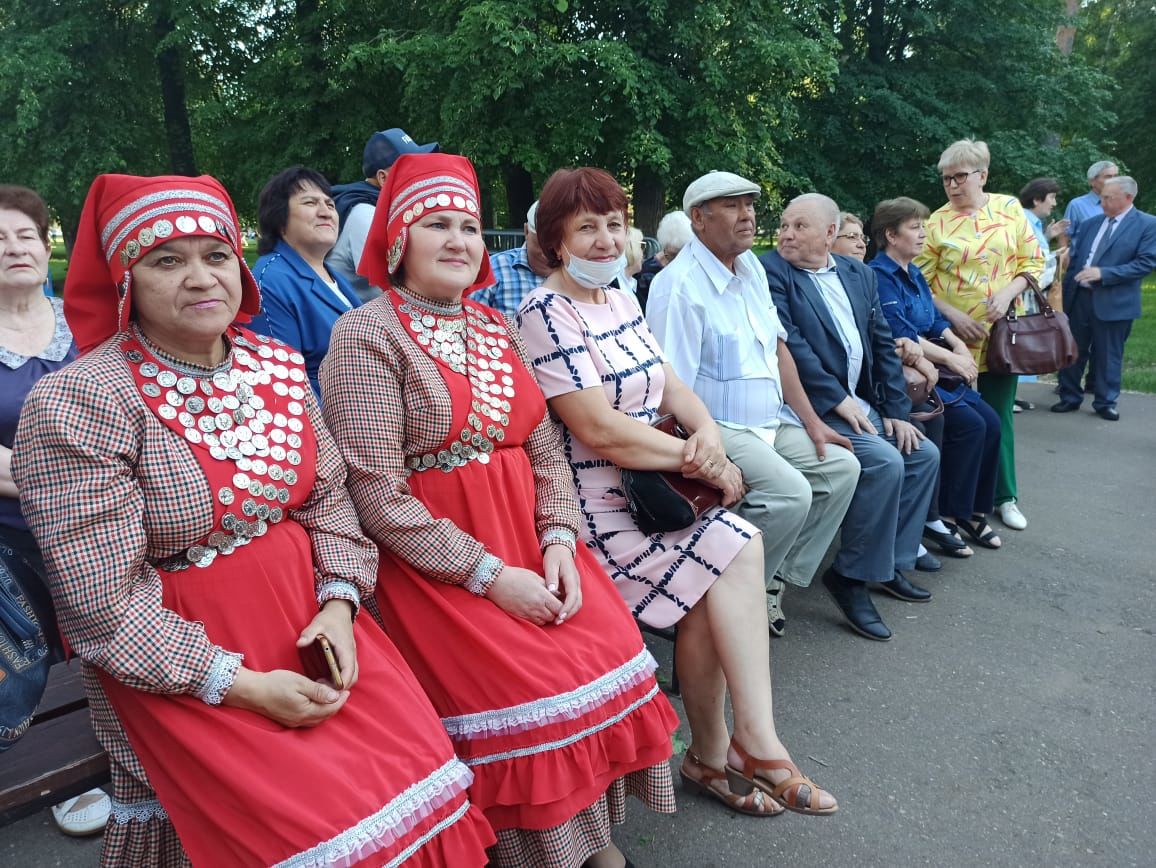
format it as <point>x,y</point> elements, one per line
<point>829,267</point>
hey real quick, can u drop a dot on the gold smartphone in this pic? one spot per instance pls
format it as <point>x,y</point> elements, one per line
<point>320,661</point>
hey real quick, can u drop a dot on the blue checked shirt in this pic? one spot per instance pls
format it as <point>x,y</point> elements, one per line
<point>515,281</point>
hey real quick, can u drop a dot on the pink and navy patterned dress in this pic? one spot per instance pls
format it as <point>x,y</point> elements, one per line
<point>578,345</point>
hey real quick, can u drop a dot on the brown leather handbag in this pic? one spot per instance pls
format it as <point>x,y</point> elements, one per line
<point>921,392</point>
<point>661,501</point>
<point>1039,343</point>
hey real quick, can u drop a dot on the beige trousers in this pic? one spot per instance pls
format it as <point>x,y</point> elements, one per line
<point>796,500</point>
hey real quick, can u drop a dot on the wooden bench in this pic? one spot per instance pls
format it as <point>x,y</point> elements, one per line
<point>59,757</point>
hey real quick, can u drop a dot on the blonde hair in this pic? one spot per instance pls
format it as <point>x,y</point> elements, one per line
<point>633,248</point>
<point>965,152</point>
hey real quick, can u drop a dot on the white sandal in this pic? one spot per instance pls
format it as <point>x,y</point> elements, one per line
<point>86,814</point>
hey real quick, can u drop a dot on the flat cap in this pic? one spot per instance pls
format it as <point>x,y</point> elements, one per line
<point>712,185</point>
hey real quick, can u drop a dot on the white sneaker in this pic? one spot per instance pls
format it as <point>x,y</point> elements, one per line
<point>1010,515</point>
<point>86,814</point>
<point>776,620</point>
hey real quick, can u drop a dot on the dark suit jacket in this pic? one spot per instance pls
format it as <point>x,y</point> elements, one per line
<point>1124,260</point>
<point>817,348</point>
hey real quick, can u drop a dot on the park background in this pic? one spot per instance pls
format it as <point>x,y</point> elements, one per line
<point>853,98</point>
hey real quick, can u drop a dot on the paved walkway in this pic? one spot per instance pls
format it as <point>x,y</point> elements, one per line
<point>1010,721</point>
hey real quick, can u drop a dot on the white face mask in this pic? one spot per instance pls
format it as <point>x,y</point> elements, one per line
<point>594,275</point>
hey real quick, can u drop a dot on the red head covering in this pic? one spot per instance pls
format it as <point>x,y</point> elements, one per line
<point>418,184</point>
<point>124,216</point>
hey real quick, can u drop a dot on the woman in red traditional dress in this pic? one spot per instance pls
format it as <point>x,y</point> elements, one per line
<point>190,508</point>
<point>525,648</point>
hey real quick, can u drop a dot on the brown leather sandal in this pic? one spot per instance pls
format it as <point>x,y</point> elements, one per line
<point>704,786</point>
<point>797,793</point>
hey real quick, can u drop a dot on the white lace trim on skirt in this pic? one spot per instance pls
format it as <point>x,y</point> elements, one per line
<point>398,818</point>
<point>564,706</point>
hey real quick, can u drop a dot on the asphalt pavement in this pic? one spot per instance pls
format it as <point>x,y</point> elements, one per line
<point>1008,723</point>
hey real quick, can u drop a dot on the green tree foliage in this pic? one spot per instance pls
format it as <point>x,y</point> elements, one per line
<point>1118,37</point>
<point>916,75</point>
<point>656,92</point>
<point>852,97</point>
<point>91,86</point>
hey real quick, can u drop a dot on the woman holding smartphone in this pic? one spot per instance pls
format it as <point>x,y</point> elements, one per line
<point>190,507</point>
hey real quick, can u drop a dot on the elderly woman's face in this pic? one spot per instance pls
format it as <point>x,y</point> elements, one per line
<point>187,290</point>
<point>23,253</point>
<point>312,222</point>
<point>597,237</point>
<point>964,185</point>
<point>444,253</point>
<point>850,241</point>
<point>907,241</point>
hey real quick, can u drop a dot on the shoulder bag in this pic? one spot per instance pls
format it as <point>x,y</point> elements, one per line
<point>1039,343</point>
<point>660,501</point>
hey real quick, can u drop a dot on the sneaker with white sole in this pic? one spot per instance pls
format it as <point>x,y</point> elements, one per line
<point>1009,513</point>
<point>776,620</point>
<point>86,814</point>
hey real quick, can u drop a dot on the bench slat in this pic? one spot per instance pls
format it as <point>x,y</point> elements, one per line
<point>56,759</point>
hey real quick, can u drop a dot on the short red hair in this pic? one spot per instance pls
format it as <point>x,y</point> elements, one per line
<point>566,193</point>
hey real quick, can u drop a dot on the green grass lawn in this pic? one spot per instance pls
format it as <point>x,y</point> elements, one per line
<point>1140,351</point>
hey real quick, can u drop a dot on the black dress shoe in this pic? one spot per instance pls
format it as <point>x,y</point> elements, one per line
<point>855,603</point>
<point>904,590</point>
<point>1065,407</point>
<point>1109,414</point>
<point>928,563</point>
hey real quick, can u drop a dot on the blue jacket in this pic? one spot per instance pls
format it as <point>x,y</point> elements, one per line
<point>297,307</point>
<point>1124,260</point>
<point>817,348</point>
<point>906,300</point>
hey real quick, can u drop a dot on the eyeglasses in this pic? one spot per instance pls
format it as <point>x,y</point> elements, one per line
<point>853,236</point>
<point>958,178</point>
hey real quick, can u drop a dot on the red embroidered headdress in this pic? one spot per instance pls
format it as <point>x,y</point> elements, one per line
<point>418,184</point>
<point>123,217</point>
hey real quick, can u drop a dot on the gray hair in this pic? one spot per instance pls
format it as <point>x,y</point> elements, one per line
<point>1126,182</point>
<point>1095,170</point>
<point>846,217</point>
<point>532,217</point>
<point>827,206</point>
<point>674,231</point>
<point>965,152</point>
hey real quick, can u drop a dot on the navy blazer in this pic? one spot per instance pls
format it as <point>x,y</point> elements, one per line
<point>296,305</point>
<point>817,347</point>
<point>1124,260</point>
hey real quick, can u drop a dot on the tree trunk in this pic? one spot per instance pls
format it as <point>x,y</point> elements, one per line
<point>649,199</point>
<point>171,74</point>
<point>1066,34</point>
<point>519,195</point>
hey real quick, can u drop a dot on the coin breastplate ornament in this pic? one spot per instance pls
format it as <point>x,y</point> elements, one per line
<point>226,411</point>
<point>470,343</point>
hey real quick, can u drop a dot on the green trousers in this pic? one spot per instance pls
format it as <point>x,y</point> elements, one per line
<point>999,391</point>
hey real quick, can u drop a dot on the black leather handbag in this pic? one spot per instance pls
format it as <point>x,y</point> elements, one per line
<point>660,501</point>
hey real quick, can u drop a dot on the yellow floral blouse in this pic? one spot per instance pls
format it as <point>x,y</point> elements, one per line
<point>969,257</point>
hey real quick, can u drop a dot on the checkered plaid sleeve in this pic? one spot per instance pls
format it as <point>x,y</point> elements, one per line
<point>345,560</point>
<point>556,506</point>
<point>383,402</point>
<point>78,463</point>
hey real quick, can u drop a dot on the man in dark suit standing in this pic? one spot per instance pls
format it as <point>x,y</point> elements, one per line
<point>845,355</point>
<point>1110,256</point>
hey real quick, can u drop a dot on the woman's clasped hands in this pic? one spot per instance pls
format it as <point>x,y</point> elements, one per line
<point>290,698</point>
<point>551,598</point>
<point>705,458</point>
